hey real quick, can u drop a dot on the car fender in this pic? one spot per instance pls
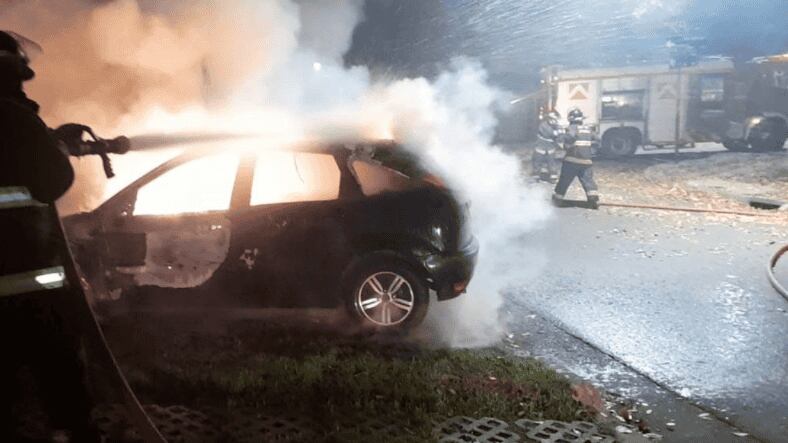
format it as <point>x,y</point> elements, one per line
<point>753,121</point>
<point>409,258</point>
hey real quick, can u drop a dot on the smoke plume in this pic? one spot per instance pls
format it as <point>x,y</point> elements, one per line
<point>136,66</point>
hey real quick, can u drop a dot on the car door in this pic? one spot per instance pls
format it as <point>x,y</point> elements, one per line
<point>290,238</point>
<point>172,229</point>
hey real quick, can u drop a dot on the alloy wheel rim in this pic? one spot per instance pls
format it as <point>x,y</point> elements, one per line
<point>385,298</point>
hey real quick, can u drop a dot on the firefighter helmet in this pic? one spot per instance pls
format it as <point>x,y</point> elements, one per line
<point>14,61</point>
<point>575,115</point>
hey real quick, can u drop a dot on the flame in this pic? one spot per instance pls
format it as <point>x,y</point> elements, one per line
<point>199,186</point>
<point>206,184</point>
<point>264,123</point>
<point>380,129</point>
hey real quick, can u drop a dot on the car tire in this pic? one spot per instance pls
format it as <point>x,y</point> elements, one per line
<point>735,145</point>
<point>386,295</point>
<point>618,144</point>
<point>769,135</point>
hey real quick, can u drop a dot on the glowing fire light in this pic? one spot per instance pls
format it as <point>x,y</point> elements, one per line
<point>206,184</point>
<point>381,130</point>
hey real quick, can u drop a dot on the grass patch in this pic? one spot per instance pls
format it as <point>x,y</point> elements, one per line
<point>339,380</point>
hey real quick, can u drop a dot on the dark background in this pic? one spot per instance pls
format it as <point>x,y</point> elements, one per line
<point>515,38</point>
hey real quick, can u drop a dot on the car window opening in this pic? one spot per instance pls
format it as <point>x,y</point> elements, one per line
<point>407,164</point>
<point>287,177</point>
<point>198,186</point>
<point>376,179</point>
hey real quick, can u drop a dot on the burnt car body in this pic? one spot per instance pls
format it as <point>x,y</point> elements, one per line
<point>356,232</point>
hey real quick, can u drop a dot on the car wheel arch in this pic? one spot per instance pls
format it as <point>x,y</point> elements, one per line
<point>384,254</point>
<point>775,126</point>
<point>386,262</point>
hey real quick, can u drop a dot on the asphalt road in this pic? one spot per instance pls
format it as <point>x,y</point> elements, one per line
<point>681,299</point>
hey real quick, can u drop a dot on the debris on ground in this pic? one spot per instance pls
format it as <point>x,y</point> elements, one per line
<point>588,396</point>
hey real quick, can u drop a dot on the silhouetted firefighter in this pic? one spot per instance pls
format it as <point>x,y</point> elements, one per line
<point>578,142</point>
<point>42,374</point>
<point>544,162</point>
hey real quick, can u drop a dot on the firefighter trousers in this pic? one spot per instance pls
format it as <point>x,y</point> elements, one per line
<point>585,173</point>
<point>544,165</point>
<point>41,369</point>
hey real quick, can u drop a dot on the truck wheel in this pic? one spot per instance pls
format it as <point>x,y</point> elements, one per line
<point>618,144</point>
<point>769,135</point>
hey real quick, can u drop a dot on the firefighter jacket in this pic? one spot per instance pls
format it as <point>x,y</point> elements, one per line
<point>29,155</point>
<point>578,142</point>
<point>548,138</point>
<point>33,174</point>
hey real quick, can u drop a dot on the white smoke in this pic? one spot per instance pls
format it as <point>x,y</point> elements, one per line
<point>134,65</point>
<point>451,122</point>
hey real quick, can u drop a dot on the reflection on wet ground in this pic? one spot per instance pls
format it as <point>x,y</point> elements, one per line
<point>703,322</point>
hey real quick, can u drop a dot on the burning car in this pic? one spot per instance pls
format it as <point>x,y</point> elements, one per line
<point>362,225</point>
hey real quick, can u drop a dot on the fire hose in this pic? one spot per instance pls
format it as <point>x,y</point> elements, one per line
<point>72,136</point>
<point>684,209</point>
<point>770,272</point>
<point>49,281</point>
<point>137,415</point>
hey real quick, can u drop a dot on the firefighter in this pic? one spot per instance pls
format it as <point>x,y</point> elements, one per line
<point>40,351</point>
<point>578,142</point>
<point>544,161</point>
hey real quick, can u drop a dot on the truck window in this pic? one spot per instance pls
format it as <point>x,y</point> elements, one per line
<point>712,89</point>
<point>622,105</point>
<point>780,78</point>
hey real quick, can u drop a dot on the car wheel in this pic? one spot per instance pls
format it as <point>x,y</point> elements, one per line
<point>619,144</point>
<point>387,295</point>
<point>769,135</point>
<point>736,145</point>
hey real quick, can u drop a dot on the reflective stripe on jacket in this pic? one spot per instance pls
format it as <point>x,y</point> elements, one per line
<point>16,197</point>
<point>37,280</point>
<point>579,140</point>
<point>28,258</point>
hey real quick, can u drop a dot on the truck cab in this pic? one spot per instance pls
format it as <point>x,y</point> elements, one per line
<point>757,107</point>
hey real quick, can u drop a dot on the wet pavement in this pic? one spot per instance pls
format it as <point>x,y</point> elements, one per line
<point>682,300</point>
<point>535,336</point>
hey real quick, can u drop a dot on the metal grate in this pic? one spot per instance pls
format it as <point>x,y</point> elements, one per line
<point>483,430</point>
<point>249,426</point>
<point>183,425</point>
<point>551,431</point>
<point>176,423</point>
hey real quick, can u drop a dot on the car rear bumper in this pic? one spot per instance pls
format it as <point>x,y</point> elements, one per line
<point>451,272</point>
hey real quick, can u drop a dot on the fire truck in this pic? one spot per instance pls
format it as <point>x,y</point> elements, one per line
<point>743,107</point>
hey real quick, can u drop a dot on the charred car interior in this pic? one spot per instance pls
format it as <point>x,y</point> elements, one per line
<point>317,225</point>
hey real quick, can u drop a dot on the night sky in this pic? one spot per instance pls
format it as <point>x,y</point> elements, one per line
<point>514,39</point>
